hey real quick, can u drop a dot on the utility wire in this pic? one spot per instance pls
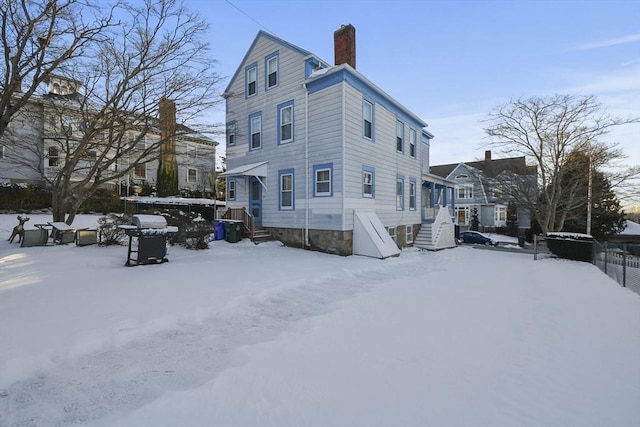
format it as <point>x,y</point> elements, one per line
<point>250,17</point>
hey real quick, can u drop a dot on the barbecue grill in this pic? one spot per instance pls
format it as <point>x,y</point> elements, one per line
<point>150,233</point>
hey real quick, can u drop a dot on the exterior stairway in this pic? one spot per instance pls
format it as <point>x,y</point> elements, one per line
<point>424,239</point>
<point>261,234</point>
<point>439,234</point>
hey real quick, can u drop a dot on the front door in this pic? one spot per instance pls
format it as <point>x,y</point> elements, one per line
<point>255,201</point>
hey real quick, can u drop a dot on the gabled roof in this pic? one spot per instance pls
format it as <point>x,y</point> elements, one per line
<point>491,168</point>
<point>277,40</point>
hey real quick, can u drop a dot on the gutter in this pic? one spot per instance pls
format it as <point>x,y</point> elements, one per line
<point>306,165</point>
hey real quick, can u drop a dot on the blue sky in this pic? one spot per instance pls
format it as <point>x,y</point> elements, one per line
<point>450,62</point>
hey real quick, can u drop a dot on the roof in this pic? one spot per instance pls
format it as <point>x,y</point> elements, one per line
<point>274,39</point>
<point>491,168</point>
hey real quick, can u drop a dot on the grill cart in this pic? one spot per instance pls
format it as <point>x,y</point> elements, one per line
<point>150,232</point>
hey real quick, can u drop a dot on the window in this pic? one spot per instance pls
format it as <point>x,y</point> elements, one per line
<point>285,120</point>
<point>191,151</point>
<point>286,189</point>
<point>497,193</point>
<point>231,189</point>
<point>465,192</point>
<point>251,78</point>
<point>367,119</point>
<point>399,136</point>
<point>412,143</point>
<point>412,194</point>
<point>271,69</point>
<point>322,180</point>
<point>141,144</point>
<point>392,233</point>
<point>255,131</point>
<point>410,233</point>
<point>462,176</point>
<point>368,182</point>
<point>400,193</point>
<point>54,156</point>
<point>231,133</point>
<point>192,175</point>
<point>500,215</point>
<point>140,171</point>
<point>1,151</point>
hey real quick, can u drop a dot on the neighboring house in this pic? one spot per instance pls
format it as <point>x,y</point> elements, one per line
<point>485,186</point>
<point>44,126</point>
<point>324,159</point>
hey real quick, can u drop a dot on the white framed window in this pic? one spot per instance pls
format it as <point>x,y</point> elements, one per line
<point>399,136</point>
<point>271,70</point>
<point>255,131</point>
<point>322,180</point>
<point>392,233</point>
<point>192,175</point>
<point>231,189</point>
<point>251,79</point>
<point>412,194</point>
<point>286,189</point>
<point>368,182</point>
<point>497,193</point>
<point>285,122</point>
<point>231,133</point>
<point>412,143</point>
<point>367,119</point>
<point>500,215</point>
<point>53,157</point>
<point>465,192</point>
<point>410,233</point>
<point>140,170</point>
<point>400,193</point>
<point>191,151</point>
<point>141,143</point>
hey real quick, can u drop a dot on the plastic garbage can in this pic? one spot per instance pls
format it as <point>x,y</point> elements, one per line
<point>218,230</point>
<point>233,231</point>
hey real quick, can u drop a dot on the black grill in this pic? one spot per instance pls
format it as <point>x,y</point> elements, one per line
<point>150,233</point>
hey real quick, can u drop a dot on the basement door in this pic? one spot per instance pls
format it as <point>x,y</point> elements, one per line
<point>255,200</point>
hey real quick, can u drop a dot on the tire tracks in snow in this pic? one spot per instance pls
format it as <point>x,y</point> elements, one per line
<point>122,378</point>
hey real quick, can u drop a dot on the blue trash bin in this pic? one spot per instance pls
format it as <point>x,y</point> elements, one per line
<point>218,230</point>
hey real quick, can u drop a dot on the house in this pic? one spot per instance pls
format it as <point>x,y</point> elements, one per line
<point>487,187</point>
<point>323,159</point>
<point>50,126</point>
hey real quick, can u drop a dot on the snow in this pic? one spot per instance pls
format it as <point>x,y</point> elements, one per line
<point>265,335</point>
<point>631,228</point>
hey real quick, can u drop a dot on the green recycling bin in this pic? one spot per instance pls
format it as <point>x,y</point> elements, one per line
<point>233,231</point>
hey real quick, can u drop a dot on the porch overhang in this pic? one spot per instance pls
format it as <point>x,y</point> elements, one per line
<point>253,169</point>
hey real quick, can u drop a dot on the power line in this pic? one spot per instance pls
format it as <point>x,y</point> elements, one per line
<point>250,17</point>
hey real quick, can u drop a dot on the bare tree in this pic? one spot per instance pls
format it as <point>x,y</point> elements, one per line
<point>547,131</point>
<point>41,38</point>
<point>109,126</point>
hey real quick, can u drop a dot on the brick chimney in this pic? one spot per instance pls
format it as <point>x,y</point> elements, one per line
<point>487,155</point>
<point>344,41</point>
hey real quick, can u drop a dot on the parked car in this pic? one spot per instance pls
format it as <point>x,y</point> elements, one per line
<point>476,237</point>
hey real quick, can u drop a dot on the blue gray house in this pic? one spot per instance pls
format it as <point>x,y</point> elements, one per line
<point>488,186</point>
<point>322,158</point>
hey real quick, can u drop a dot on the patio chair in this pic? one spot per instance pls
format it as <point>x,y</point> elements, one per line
<point>86,236</point>
<point>62,233</point>
<point>36,237</point>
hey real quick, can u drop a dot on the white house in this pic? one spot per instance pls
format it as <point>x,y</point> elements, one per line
<point>324,159</point>
<point>47,130</point>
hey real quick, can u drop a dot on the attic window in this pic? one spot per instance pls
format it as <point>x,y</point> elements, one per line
<point>463,176</point>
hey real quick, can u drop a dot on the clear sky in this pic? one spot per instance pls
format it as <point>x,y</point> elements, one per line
<point>450,62</point>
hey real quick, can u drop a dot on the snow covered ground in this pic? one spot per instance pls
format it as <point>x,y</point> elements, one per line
<point>246,335</point>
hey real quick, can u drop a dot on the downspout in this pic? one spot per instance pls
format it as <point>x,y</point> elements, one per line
<point>306,165</point>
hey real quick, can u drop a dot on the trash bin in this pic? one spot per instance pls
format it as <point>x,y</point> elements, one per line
<point>218,230</point>
<point>233,231</point>
<point>521,240</point>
